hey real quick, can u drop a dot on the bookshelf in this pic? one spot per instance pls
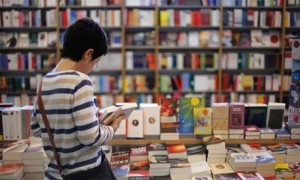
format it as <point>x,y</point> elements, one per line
<point>125,27</point>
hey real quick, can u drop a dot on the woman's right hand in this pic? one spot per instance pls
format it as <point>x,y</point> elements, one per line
<point>116,122</point>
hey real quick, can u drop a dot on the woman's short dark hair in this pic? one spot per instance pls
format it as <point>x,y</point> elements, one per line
<point>82,35</point>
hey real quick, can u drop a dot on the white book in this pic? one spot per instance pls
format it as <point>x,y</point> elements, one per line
<point>135,124</point>
<point>42,39</point>
<point>23,40</point>
<point>14,153</point>
<point>151,118</point>
<point>7,18</point>
<point>122,129</point>
<point>193,39</point>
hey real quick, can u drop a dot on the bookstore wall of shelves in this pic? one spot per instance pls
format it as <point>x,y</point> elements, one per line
<point>223,50</point>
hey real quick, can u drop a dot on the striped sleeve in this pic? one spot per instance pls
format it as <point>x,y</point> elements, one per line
<point>85,119</point>
<point>35,126</point>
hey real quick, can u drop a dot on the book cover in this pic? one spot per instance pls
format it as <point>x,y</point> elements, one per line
<point>202,121</point>
<point>262,157</point>
<point>169,110</point>
<point>227,176</point>
<point>220,168</point>
<point>250,176</point>
<point>220,115</point>
<point>177,148</point>
<point>275,115</point>
<point>255,114</point>
<point>294,103</point>
<point>135,124</point>
<point>236,115</point>
<point>159,161</point>
<point>179,163</point>
<point>186,113</point>
<point>157,149</point>
<point>151,119</point>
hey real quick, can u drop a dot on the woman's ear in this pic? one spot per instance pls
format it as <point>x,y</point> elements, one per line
<point>88,55</point>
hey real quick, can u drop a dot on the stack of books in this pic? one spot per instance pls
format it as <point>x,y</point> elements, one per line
<point>242,162</point>
<point>278,152</point>
<point>283,171</point>
<point>250,175</point>
<point>220,168</point>
<point>200,169</point>
<point>196,153</point>
<point>120,164</point>
<point>138,154</point>
<point>35,159</point>
<point>177,151</point>
<point>159,165</point>
<point>265,163</point>
<point>267,133</point>
<point>282,134</point>
<point>216,152</point>
<point>292,152</point>
<point>157,149</point>
<point>237,133</point>
<point>180,169</point>
<point>253,148</point>
<point>12,171</point>
<point>294,130</point>
<point>139,168</point>
<point>252,132</point>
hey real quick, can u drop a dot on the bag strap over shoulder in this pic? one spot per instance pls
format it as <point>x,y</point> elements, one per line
<point>46,122</point>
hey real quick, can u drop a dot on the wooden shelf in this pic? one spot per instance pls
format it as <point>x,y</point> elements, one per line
<point>251,92</point>
<point>106,72</point>
<point>187,7</point>
<point>190,71</point>
<point>176,29</point>
<point>25,8</point>
<point>250,28</point>
<point>141,7</point>
<point>252,71</point>
<point>139,47</point>
<point>197,141</point>
<point>90,7</point>
<point>28,49</point>
<point>27,29</point>
<point>176,48</point>
<point>105,28</point>
<point>256,49</point>
<point>13,73</point>
<point>253,7</point>
<point>143,71</point>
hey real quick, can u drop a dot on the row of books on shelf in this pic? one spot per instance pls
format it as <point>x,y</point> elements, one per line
<point>27,3</point>
<point>253,61</point>
<point>230,82</point>
<point>188,60</point>
<point>139,17</point>
<point>140,38</point>
<point>105,18</point>
<point>52,3</point>
<point>27,61</point>
<point>256,3</point>
<point>252,18</point>
<point>293,19</point>
<point>254,38</point>
<point>188,3</point>
<point>189,18</point>
<point>30,18</point>
<point>25,40</point>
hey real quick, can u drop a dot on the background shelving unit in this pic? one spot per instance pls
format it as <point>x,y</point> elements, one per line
<point>157,48</point>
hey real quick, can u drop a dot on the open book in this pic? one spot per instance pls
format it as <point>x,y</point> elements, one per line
<point>115,111</point>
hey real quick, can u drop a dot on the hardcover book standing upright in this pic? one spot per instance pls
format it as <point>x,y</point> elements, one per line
<point>168,110</point>
<point>236,115</point>
<point>220,116</point>
<point>186,113</point>
<point>202,121</point>
<point>135,124</point>
<point>275,115</point>
<point>255,114</point>
<point>151,119</point>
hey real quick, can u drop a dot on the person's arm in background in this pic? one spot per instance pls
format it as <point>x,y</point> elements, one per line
<point>90,132</point>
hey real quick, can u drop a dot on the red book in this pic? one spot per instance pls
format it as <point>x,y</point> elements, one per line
<point>177,18</point>
<point>177,148</point>
<point>196,18</point>
<point>270,18</point>
<point>64,18</point>
<point>9,168</point>
<point>20,62</point>
<point>250,17</point>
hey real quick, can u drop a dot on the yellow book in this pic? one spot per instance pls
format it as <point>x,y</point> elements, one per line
<point>202,121</point>
<point>164,18</point>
